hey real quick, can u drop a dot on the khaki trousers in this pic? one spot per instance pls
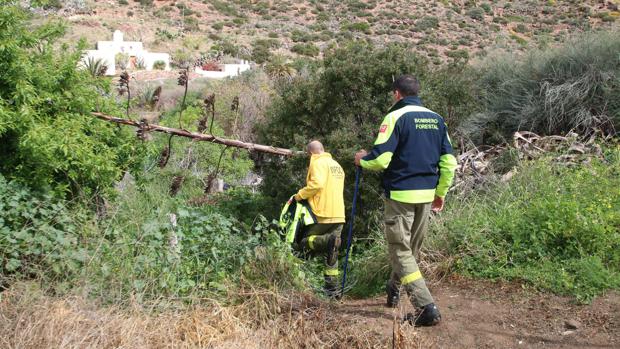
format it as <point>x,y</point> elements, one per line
<point>405,228</point>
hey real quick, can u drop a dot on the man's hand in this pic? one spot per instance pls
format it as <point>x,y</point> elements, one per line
<point>359,155</point>
<point>437,204</point>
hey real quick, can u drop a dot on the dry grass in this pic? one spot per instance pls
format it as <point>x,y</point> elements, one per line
<point>31,319</point>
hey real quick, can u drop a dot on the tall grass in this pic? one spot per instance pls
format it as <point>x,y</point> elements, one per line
<point>550,91</point>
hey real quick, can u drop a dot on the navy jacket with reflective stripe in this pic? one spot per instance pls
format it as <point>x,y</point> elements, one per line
<point>414,149</point>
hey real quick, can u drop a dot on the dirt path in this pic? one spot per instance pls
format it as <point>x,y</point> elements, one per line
<point>487,315</point>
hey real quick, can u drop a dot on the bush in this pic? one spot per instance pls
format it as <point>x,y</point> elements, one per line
<point>476,13</point>
<point>122,61</point>
<point>572,87</point>
<point>427,23</point>
<point>309,49</point>
<point>357,27</point>
<point>261,52</point>
<point>554,226</point>
<point>39,234</point>
<point>159,65</point>
<point>47,133</point>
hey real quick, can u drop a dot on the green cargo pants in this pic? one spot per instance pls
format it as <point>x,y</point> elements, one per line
<point>316,239</point>
<point>405,227</point>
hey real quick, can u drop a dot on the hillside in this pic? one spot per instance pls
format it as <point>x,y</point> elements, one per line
<point>440,30</point>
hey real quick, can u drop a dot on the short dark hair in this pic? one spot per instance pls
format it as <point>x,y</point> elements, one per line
<point>408,85</point>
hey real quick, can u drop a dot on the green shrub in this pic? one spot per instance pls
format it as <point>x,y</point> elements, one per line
<point>51,4</point>
<point>357,27</point>
<point>46,129</point>
<point>159,65</point>
<point>476,13</point>
<point>553,226</point>
<point>261,51</point>
<point>40,235</point>
<point>427,23</point>
<point>552,91</point>
<point>227,48</point>
<point>521,28</point>
<point>307,49</point>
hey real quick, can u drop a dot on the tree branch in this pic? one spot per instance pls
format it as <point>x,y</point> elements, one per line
<point>200,136</point>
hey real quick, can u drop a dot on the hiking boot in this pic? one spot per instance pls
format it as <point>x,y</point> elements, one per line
<point>428,315</point>
<point>393,294</point>
<point>331,288</point>
<point>333,245</point>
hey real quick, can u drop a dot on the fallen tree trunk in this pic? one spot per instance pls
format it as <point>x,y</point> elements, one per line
<point>199,136</point>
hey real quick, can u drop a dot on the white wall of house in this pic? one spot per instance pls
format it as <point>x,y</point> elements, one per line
<point>151,57</point>
<point>107,50</point>
<point>230,70</point>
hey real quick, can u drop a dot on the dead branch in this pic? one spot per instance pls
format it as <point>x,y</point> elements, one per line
<point>200,137</point>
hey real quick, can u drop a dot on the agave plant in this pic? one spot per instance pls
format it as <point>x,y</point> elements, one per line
<point>278,68</point>
<point>96,66</point>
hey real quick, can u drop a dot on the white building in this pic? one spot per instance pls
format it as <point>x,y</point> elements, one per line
<point>134,50</point>
<point>225,71</point>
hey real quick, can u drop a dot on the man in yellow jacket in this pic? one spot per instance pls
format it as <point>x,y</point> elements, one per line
<point>324,192</point>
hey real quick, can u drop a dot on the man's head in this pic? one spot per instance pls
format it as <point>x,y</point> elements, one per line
<point>315,147</point>
<point>405,86</point>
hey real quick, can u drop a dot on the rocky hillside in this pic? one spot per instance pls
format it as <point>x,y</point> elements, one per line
<point>255,29</point>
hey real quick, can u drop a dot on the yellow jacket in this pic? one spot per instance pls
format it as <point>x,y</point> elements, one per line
<point>324,189</point>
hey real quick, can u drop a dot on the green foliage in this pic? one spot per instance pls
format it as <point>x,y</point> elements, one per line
<point>48,137</point>
<point>95,66</point>
<point>427,23</point>
<point>341,104</point>
<point>572,87</point>
<point>261,50</point>
<point>357,27</point>
<point>153,245</point>
<point>159,65</point>
<point>38,234</point>
<point>308,49</point>
<point>554,226</point>
<point>476,13</point>
<point>226,47</point>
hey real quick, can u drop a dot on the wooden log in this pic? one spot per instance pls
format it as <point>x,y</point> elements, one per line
<point>200,136</point>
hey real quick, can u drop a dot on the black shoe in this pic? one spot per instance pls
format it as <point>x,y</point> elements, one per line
<point>333,245</point>
<point>428,315</point>
<point>393,295</point>
<point>331,289</point>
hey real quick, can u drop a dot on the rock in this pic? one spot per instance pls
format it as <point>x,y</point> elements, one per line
<point>572,324</point>
<point>567,333</point>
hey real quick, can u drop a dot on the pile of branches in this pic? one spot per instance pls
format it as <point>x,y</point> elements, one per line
<point>477,163</point>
